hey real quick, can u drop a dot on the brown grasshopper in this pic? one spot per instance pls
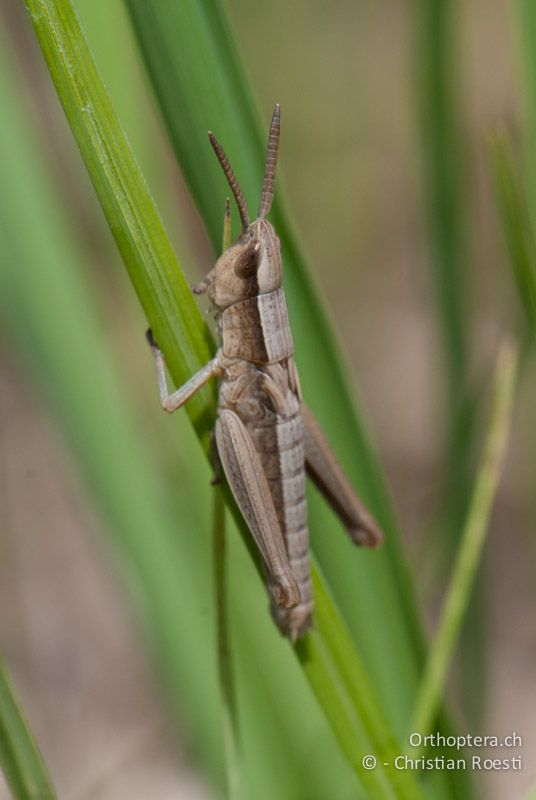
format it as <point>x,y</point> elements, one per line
<point>266,438</point>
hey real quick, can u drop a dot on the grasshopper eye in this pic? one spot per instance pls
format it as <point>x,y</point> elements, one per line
<point>247,262</point>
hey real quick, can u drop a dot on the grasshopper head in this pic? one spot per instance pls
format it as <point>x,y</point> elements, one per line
<point>252,265</point>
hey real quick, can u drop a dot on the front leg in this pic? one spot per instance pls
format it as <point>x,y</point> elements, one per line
<point>171,402</point>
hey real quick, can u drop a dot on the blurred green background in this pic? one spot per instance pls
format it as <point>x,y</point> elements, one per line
<point>386,108</point>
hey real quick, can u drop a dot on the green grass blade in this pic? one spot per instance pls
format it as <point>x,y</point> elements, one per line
<point>445,205</point>
<point>228,700</point>
<point>444,195</point>
<point>48,306</point>
<point>357,685</point>
<point>472,543</point>
<point>516,226</point>
<point>317,663</point>
<point>128,207</point>
<point>21,760</point>
<point>438,34</point>
<point>123,194</point>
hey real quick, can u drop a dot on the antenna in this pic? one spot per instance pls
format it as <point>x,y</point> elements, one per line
<point>271,162</point>
<point>231,179</point>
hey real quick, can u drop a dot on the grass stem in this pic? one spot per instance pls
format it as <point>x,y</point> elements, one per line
<point>468,557</point>
<point>225,671</point>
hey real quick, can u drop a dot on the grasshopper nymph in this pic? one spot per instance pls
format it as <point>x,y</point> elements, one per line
<point>266,438</point>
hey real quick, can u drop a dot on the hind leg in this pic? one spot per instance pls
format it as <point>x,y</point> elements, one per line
<point>246,478</point>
